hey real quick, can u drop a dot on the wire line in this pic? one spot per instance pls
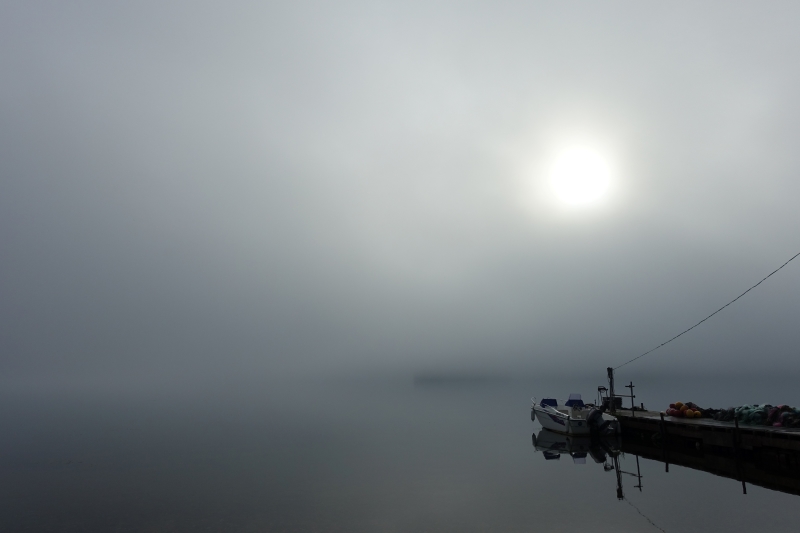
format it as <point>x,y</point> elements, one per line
<point>709,316</point>
<point>644,515</point>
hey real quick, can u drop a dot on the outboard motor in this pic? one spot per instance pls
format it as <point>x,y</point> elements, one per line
<point>596,422</point>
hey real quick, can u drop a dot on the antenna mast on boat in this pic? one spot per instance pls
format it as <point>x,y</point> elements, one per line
<point>612,396</point>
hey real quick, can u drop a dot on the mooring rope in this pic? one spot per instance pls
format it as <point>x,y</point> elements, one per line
<point>709,316</point>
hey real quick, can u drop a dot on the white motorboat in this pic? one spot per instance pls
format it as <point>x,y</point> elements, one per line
<point>573,417</point>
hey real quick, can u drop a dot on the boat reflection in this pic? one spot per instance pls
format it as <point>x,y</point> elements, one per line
<point>554,445</point>
<point>603,450</point>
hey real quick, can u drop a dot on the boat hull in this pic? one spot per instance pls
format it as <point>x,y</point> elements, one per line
<point>566,425</point>
<point>561,424</point>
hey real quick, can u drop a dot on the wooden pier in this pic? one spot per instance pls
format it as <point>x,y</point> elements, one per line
<point>761,455</point>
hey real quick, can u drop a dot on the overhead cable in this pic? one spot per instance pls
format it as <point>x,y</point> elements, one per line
<point>709,316</point>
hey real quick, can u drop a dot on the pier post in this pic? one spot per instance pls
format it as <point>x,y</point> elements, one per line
<point>735,438</point>
<point>664,443</point>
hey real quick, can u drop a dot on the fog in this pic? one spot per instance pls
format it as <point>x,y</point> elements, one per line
<point>206,192</point>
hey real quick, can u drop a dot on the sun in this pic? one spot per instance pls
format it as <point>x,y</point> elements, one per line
<point>580,176</point>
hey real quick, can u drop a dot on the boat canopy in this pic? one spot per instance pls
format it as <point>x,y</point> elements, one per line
<point>574,400</point>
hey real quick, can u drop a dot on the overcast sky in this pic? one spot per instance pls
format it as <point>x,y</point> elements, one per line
<point>192,188</point>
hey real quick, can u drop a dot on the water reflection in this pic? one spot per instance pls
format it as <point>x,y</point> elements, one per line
<point>771,468</point>
<point>775,469</point>
<point>348,457</point>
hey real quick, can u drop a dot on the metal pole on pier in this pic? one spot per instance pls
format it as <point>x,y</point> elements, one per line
<point>611,387</point>
<point>632,395</point>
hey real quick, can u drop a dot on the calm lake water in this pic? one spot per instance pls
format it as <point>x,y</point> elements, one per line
<point>369,455</point>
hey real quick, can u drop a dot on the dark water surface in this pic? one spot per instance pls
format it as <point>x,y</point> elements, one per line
<point>352,456</point>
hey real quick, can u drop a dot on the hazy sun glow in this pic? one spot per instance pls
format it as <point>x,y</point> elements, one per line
<point>580,176</point>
